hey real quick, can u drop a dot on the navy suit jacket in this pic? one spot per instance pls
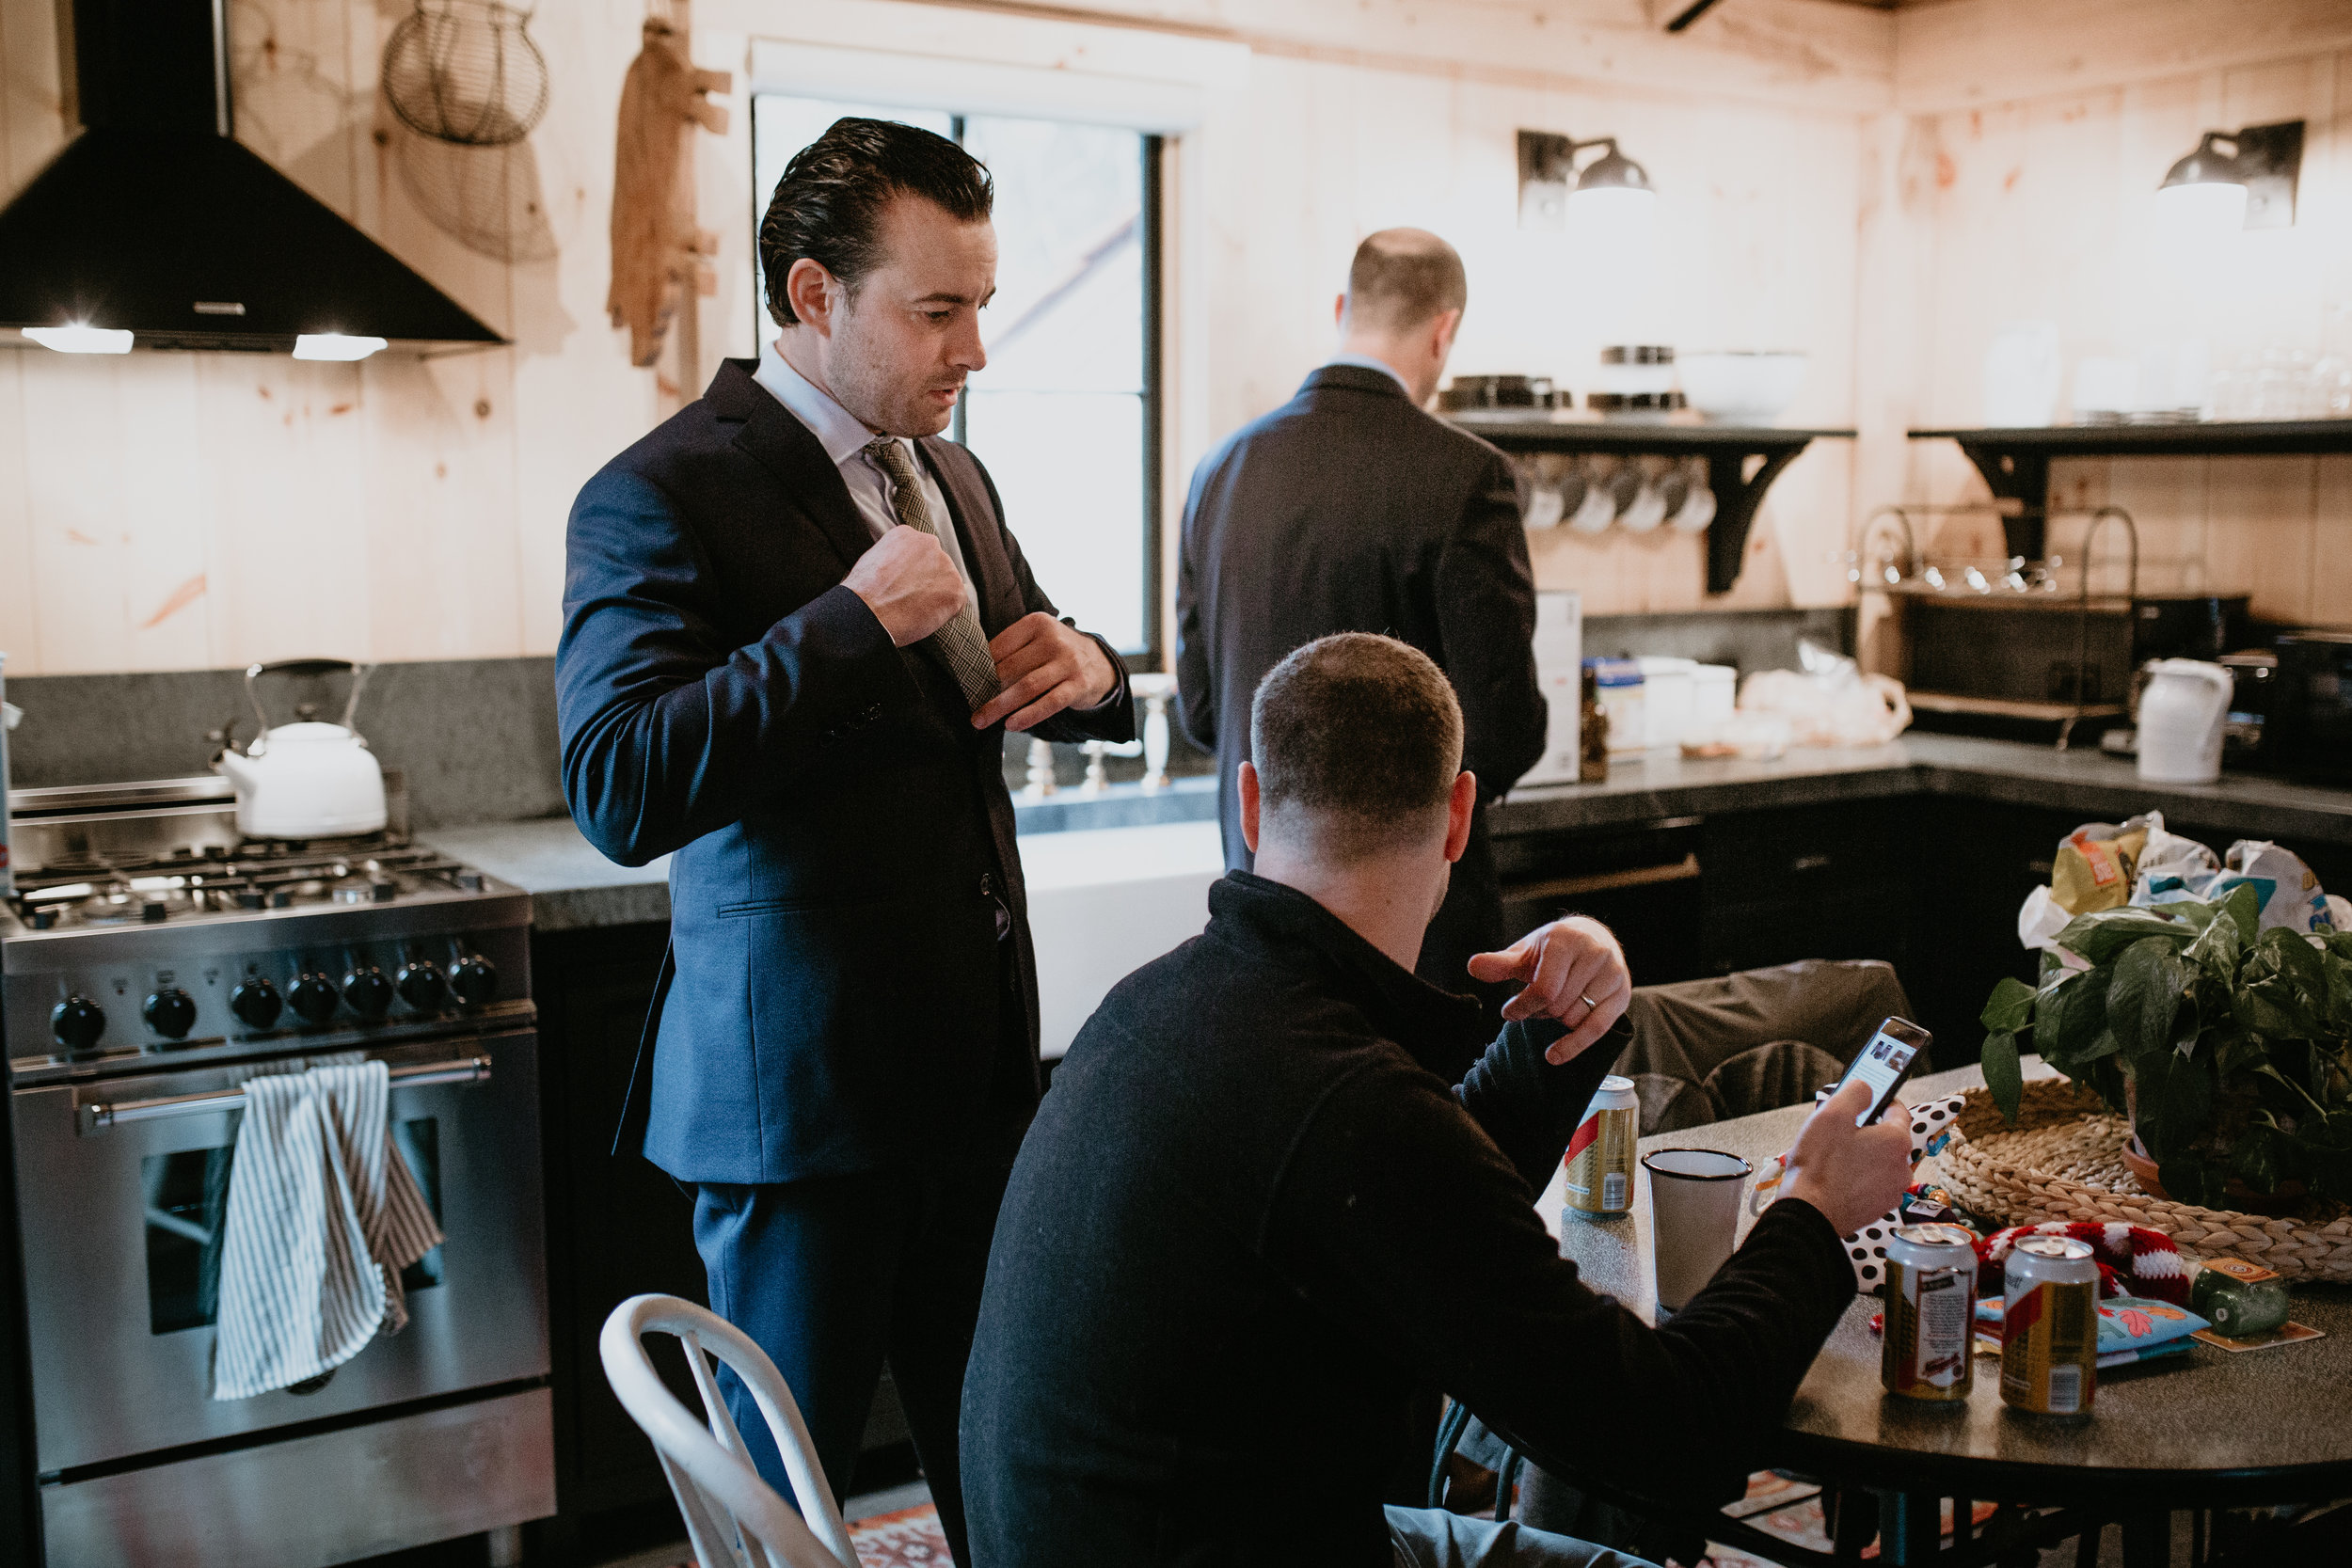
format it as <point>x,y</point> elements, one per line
<point>842,838</point>
<point>1349,508</point>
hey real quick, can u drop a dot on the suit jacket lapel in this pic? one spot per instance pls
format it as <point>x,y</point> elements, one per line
<point>789,450</point>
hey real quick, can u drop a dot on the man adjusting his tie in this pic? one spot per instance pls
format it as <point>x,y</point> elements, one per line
<point>796,628</point>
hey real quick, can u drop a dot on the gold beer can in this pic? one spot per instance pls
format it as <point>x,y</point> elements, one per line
<point>2050,1326</point>
<point>1930,1313</point>
<point>1600,1156</point>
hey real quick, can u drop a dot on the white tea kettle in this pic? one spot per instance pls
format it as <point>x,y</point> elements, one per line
<point>2181,713</point>
<point>306,780</point>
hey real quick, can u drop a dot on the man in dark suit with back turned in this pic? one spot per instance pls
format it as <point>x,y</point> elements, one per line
<point>796,628</point>
<point>1349,508</point>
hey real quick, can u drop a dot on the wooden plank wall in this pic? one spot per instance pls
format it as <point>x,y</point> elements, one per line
<point>2045,209</point>
<point>179,511</point>
<point>171,511</point>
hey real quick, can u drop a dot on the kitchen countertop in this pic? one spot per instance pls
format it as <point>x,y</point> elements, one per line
<point>574,887</point>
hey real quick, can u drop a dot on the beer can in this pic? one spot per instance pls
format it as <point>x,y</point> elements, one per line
<point>1930,1313</point>
<point>2050,1326</point>
<point>1600,1156</point>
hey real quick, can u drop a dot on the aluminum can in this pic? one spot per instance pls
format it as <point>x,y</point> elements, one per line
<point>2050,1326</point>
<point>1930,1313</point>
<point>1600,1156</point>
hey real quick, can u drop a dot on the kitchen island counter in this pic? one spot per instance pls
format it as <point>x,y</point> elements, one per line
<point>573,887</point>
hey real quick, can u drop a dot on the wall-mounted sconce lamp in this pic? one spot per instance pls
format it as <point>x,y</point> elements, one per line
<point>2242,181</point>
<point>1611,187</point>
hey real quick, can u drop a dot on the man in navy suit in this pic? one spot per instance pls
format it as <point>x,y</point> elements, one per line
<point>796,628</point>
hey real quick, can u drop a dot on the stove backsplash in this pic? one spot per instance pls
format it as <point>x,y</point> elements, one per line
<point>475,738</point>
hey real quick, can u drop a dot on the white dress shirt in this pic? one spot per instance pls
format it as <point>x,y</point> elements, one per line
<point>844,436</point>
<point>1366,362</point>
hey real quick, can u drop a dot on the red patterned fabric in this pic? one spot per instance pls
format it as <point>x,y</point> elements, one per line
<point>2133,1259</point>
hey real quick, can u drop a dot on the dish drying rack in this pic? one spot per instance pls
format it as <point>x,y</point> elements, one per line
<point>2013,581</point>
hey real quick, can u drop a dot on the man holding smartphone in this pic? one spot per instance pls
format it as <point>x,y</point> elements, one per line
<point>1257,1211</point>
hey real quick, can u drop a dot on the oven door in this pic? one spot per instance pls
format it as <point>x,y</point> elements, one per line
<point>121,1218</point>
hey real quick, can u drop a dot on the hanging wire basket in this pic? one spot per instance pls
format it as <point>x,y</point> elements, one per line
<point>465,72</point>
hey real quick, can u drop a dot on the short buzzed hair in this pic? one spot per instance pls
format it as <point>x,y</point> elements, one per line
<point>1402,277</point>
<point>1357,739</point>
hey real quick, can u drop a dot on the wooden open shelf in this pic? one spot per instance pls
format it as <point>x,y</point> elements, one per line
<point>2016,462</point>
<point>1726,449</point>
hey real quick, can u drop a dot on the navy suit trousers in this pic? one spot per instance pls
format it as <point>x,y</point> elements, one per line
<point>832,1275</point>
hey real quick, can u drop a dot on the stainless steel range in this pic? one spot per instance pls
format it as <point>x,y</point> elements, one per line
<point>151,963</point>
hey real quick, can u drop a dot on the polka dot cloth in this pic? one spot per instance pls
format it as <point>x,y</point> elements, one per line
<point>1932,1128</point>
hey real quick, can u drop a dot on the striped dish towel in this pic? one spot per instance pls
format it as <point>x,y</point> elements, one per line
<point>323,1215</point>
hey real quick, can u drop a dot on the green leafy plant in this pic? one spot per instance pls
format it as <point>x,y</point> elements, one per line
<point>2230,1045</point>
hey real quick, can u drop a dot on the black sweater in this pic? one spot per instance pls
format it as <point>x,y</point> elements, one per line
<point>1248,1220</point>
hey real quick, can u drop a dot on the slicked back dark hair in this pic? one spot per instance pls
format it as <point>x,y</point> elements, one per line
<point>1357,740</point>
<point>828,206</point>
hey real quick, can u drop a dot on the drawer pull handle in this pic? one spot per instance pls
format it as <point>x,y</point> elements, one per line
<point>97,1118</point>
<point>1809,862</point>
<point>1684,870</point>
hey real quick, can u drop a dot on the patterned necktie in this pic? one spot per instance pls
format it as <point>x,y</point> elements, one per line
<point>960,641</point>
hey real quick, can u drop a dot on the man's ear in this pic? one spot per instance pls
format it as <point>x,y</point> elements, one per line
<point>1339,309</point>
<point>1248,782</point>
<point>1460,808</point>
<point>1442,332</point>
<point>810,290</point>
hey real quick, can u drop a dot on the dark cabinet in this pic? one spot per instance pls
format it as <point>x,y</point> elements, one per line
<point>616,1227</point>
<point>1643,881</point>
<point>1831,881</point>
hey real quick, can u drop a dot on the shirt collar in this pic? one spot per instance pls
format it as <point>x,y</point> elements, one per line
<point>842,433</point>
<point>1366,362</point>
<point>1432,1025</point>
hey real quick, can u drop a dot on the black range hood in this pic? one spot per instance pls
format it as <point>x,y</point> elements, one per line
<point>154,219</point>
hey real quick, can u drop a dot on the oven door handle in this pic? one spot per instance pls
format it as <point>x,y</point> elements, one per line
<point>97,1118</point>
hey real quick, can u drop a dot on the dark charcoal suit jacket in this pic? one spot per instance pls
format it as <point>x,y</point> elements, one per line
<point>1349,508</point>
<point>842,838</point>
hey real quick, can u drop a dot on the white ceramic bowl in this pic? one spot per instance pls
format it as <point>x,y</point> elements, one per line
<point>1742,388</point>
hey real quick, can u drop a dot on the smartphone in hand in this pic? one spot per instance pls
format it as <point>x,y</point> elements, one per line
<point>1884,1063</point>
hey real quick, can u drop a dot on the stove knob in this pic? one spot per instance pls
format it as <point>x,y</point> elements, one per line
<point>468,881</point>
<point>368,991</point>
<point>423,988</point>
<point>251,898</point>
<point>314,998</point>
<point>384,890</point>
<point>282,898</point>
<point>475,979</point>
<point>256,1002</point>
<point>170,1012</point>
<point>154,911</point>
<point>77,1022</point>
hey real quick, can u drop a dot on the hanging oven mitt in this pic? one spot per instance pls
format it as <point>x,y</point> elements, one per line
<point>1932,1128</point>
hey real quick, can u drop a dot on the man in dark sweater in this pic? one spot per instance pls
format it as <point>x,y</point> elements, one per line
<point>1248,1220</point>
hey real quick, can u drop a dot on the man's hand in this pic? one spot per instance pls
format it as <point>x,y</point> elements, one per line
<point>1573,970</point>
<point>1851,1174</point>
<point>907,581</point>
<point>1045,667</point>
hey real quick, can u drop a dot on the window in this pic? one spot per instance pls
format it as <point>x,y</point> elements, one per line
<point>1066,413</point>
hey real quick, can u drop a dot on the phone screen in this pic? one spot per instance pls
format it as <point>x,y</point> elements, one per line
<point>1884,1063</point>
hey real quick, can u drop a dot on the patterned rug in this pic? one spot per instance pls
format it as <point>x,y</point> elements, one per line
<point>1790,1510</point>
<point>908,1538</point>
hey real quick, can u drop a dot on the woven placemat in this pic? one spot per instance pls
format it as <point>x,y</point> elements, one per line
<point>2064,1161</point>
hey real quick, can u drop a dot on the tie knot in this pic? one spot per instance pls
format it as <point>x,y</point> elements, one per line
<point>887,451</point>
